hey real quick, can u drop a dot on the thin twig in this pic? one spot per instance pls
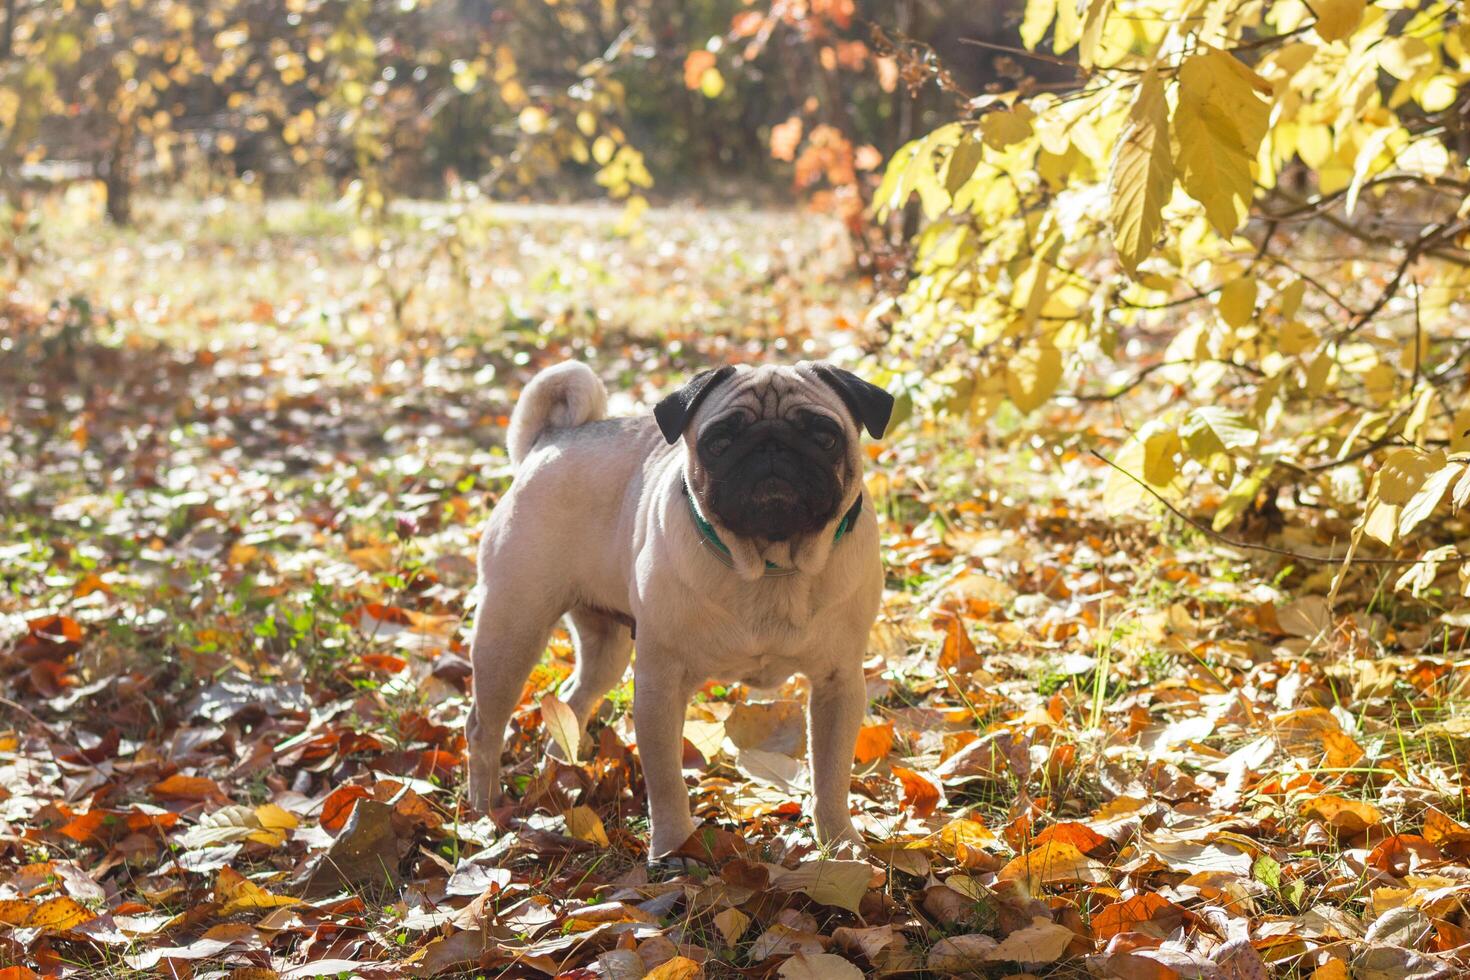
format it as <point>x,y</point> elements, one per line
<point>1284,552</point>
<point>25,712</point>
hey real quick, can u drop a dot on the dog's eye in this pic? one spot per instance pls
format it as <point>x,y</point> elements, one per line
<point>825,438</point>
<point>717,446</point>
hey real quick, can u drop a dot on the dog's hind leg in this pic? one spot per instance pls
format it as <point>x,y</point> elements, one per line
<point>510,636</point>
<point>604,646</point>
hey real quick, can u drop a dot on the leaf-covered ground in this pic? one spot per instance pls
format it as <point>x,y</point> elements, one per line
<point>243,459</point>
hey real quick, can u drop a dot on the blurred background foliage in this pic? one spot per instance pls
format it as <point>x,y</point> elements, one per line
<point>411,97</point>
<point>1240,226</point>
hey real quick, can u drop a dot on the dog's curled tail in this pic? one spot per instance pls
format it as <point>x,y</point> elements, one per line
<point>565,395</point>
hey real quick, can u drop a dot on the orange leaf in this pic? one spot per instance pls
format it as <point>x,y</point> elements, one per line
<point>958,653</point>
<point>85,827</point>
<point>1079,835</point>
<point>1402,853</point>
<point>873,743</point>
<point>677,968</point>
<point>181,787</point>
<point>338,805</point>
<point>1441,828</point>
<point>696,63</point>
<point>1343,815</point>
<point>385,662</point>
<point>1148,913</point>
<point>58,915</point>
<point>919,794</point>
<point>1052,862</point>
<point>785,137</point>
<point>747,23</point>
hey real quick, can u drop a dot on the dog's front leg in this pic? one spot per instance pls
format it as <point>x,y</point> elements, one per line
<point>834,715</point>
<point>660,697</point>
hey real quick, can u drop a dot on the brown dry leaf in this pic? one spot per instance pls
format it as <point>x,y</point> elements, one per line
<point>968,843</point>
<point>958,955</point>
<point>1043,941</point>
<point>818,966</point>
<point>449,952</point>
<point>783,940</point>
<point>831,882</point>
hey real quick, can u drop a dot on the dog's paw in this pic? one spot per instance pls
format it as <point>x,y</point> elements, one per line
<point>670,867</point>
<point>481,791</point>
<point>847,850</point>
<point>846,844</point>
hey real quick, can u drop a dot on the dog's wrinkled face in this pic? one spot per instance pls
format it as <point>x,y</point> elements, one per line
<point>773,451</point>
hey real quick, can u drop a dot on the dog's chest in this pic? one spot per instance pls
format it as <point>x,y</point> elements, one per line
<point>760,665</point>
<point>761,645</point>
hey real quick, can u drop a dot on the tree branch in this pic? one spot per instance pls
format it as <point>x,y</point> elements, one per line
<point>1210,532</point>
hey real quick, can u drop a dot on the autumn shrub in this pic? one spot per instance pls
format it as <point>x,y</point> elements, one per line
<point>1245,225</point>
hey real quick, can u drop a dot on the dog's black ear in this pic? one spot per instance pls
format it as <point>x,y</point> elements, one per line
<point>870,405</point>
<point>674,412</point>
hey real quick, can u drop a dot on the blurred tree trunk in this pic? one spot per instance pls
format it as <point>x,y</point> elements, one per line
<point>119,175</point>
<point>7,38</point>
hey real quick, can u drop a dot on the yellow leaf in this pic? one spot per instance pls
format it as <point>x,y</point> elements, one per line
<point>1460,430</point>
<point>1038,17</point>
<point>1381,521</point>
<point>1121,493</point>
<point>583,823</point>
<point>1428,496</point>
<point>1219,124</point>
<point>1142,175</point>
<point>1404,472</point>
<point>1337,19</point>
<point>677,968</point>
<point>1054,861</point>
<point>1296,338</point>
<point>561,724</point>
<point>274,822</point>
<point>1160,451</point>
<point>1032,375</point>
<point>1092,31</point>
<point>696,63</point>
<point>52,915</point>
<point>603,149</point>
<point>236,893</point>
<point>1347,816</point>
<point>1006,127</point>
<point>1237,301</point>
<point>732,924</point>
<point>532,120</point>
<point>711,83</point>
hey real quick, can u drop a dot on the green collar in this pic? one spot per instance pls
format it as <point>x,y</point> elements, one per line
<point>722,551</point>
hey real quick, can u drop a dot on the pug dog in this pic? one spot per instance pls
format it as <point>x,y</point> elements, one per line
<point>728,532</point>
